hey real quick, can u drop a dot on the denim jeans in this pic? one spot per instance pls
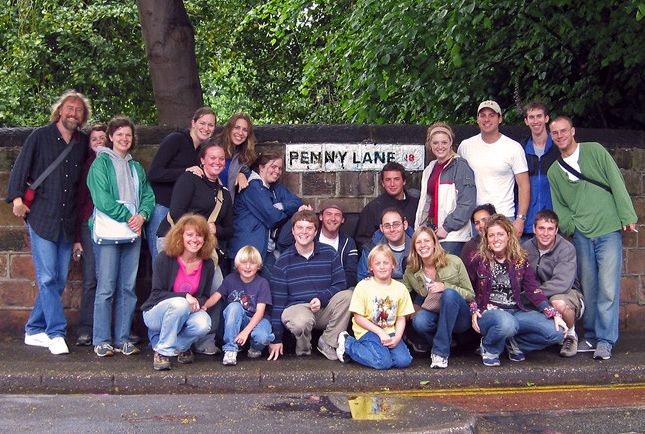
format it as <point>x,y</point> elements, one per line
<point>600,261</point>
<point>116,274</point>
<point>531,330</point>
<point>86,310</point>
<point>51,264</point>
<point>235,319</point>
<point>158,215</point>
<point>453,247</point>
<point>172,327</point>
<point>437,327</point>
<point>370,352</point>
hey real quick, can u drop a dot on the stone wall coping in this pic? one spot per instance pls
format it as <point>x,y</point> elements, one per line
<point>353,133</point>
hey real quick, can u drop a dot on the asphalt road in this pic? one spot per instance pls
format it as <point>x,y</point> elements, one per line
<point>552,409</point>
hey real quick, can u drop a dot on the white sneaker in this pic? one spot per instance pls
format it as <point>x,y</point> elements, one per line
<point>230,358</point>
<point>438,362</point>
<point>38,340</point>
<point>340,349</point>
<point>58,346</point>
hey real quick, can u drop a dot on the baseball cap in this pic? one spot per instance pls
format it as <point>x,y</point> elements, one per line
<point>489,103</point>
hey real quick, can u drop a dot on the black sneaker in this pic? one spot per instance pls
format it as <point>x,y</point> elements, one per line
<point>128,349</point>
<point>84,340</point>
<point>104,350</point>
<point>185,357</point>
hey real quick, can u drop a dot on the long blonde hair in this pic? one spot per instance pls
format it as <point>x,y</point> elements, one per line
<point>439,258</point>
<point>514,251</point>
<point>247,149</point>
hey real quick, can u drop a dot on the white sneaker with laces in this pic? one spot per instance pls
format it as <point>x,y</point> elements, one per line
<point>38,340</point>
<point>438,361</point>
<point>230,358</point>
<point>58,346</point>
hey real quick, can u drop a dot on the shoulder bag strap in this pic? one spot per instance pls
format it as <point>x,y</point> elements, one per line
<point>570,169</point>
<point>34,185</point>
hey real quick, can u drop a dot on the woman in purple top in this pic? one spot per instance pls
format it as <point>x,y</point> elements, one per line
<point>83,240</point>
<point>181,282</point>
<point>500,274</point>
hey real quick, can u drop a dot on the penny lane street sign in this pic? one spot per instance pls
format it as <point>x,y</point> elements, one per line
<point>335,157</point>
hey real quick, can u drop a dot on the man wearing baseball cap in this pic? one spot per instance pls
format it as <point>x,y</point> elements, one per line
<point>499,164</point>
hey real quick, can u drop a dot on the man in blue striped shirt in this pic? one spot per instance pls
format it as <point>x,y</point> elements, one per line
<point>308,291</point>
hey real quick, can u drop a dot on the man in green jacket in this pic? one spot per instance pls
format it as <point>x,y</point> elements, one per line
<point>593,206</point>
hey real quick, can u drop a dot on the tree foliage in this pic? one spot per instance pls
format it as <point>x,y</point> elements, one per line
<point>95,47</point>
<point>364,61</point>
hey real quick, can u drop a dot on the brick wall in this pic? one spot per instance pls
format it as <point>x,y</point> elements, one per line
<point>352,189</point>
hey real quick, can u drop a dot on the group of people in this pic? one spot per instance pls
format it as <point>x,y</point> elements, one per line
<point>238,259</point>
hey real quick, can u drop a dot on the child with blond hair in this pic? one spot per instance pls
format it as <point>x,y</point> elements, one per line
<point>379,306</point>
<point>248,295</point>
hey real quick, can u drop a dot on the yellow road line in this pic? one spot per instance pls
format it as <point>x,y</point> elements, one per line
<point>504,390</point>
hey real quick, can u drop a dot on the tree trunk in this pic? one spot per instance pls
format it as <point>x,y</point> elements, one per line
<point>170,47</point>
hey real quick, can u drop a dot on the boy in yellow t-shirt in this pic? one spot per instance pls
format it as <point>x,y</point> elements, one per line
<point>379,306</point>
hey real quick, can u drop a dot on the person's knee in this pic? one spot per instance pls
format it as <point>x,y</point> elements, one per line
<point>202,323</point>
<point>504,324</point>
<point>402,360</point>
<point>423,322</point>
<point>178,305</point>
<point>450,297</point>
<point>233,309</point>
<point>300,324</point>
<point>560,306</point>
<point>261,337</point>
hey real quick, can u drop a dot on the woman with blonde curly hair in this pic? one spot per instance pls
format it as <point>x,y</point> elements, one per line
<point>181,283</point>
<point>500,273</point>
<point>441,290</point>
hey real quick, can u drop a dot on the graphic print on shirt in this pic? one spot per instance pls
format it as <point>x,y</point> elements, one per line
<point>501,294</point>
<point>383,311</point>
<point>247,301</point>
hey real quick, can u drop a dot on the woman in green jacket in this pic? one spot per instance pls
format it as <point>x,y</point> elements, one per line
<point>120,190</point>
<point>442,288</point>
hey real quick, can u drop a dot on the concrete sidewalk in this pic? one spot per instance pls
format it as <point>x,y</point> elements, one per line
<point>26,369</point>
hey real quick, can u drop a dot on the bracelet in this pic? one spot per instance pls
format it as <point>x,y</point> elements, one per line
<point>521,217</point>
<point>550,312</point>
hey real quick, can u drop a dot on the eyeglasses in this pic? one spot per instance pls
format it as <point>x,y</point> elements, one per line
<point>395,225</point>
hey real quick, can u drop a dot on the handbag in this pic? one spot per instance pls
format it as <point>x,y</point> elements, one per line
<point>432,302</point>
<point>106,230</point>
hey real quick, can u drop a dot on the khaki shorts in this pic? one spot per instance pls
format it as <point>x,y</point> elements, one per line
<point>573,299</point>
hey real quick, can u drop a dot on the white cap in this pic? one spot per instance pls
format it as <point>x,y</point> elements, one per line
<point>489,103</point>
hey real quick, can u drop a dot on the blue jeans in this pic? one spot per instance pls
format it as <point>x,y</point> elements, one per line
<point>158,215</point>
<point>86,309</point>
<point>531,330</point>
<point>453,247</point>
<point>600,261</point>
<point>172,327</point>
<point>437,327</point>
<point>235,319</point>
<point>51,264</point>
<point>116,274</point>
<point>370,352</point>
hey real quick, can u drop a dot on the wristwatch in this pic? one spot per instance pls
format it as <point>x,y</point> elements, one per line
<point>521,217</point>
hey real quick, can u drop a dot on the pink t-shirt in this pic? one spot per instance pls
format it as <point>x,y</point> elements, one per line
<point>187,282</point>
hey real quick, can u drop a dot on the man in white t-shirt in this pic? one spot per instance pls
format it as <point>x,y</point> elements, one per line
<point>499,164</point>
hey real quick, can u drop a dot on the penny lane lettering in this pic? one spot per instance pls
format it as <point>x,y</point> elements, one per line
<point>334,157</point>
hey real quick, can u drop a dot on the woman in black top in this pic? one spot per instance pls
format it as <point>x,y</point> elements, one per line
<point>178,152</point>
<point>201,195</point>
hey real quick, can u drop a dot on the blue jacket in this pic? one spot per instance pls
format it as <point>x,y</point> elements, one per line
<point>255,214</point>
<point>540,188</point>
